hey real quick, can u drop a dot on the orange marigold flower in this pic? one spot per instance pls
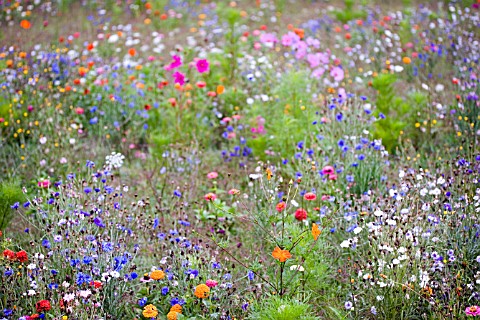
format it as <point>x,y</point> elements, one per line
<point>150,311</point>
<point>172,315</point>
<point>202,291</point>
<point>315,231</point>
<point>281,255</point>
<point>176,308</point>
<point>157,275</point>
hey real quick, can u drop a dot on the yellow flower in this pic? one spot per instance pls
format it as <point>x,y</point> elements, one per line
<point>150,311</point>
<point>172,315</point>
<point>157,275</point>
<point>202,291</point>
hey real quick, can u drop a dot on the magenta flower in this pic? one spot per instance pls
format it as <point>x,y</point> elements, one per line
<point>44,183</point>
<point>177,62</point>
<point>328,170</point>
<point>203,65</point>
<point>179,78</point>
<point>211,283</point>
<point>472,311</point>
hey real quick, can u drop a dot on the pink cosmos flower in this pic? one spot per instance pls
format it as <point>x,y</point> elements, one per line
<point>203,65</point>
<point>473,311</point>
<point>325,197</point>
<point>179,78</point>
<point>317,73</point>
<point>313,42</point>
<point>328,170</point>
<point>332,177</point>
<point>301,48</point>
<point>211,283</point>
<point>337,73</point>
<point>212,175</point>
<point>268,38</point>
<point>289,39</point>
<point>210,196</point>
<point>177,62</point>
<point>313,59</point>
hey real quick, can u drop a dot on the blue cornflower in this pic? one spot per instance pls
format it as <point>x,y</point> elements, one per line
<point>46,243</point>
<point>107,246</point>
<point>142,302</point>
<point>165,291</point>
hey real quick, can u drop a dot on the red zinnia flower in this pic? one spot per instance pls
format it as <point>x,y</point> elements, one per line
<point>310,196</point>
<point>43,305</point>
<point>9,254</point>
<point>301,214</point>
<point>22,256</point>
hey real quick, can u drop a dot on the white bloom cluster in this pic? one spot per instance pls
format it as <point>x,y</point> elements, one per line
<point>114,160</point>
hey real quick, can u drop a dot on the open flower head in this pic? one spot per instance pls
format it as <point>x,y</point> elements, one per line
<point>202,291</point>
<point>157,275</point>
<point>281,255</point>
<point>150,311</point>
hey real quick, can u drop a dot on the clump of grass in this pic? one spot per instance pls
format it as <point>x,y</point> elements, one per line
<point>10,193</point>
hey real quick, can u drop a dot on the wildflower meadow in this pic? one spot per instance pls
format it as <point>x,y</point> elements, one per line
<point>249,159</point>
